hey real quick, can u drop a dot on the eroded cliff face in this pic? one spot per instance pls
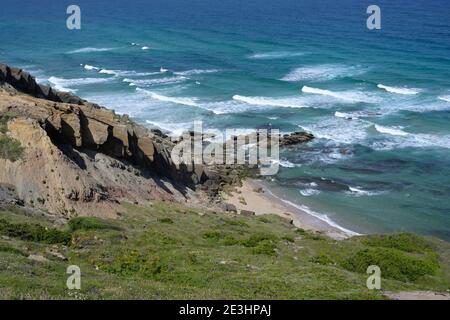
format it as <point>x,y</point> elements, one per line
<point>80,158</point>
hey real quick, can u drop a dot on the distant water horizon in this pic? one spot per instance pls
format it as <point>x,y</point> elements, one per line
<point>378,102</point>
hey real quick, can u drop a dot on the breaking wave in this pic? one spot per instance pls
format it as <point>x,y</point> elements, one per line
<point>320,73</point>
<point>264,101</point>
<point>398,90</point>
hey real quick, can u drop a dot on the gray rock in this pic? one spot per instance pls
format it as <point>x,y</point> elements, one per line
<point>229,207</point>
<point>248,213</point>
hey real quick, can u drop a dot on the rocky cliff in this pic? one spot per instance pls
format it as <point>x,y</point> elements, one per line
<point>80,158</point>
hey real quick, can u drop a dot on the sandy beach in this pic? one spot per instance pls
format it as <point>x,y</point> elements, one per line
<point>255,196</point>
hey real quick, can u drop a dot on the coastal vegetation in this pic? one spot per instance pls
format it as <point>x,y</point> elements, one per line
<point>10,148</point>
<point>169,251</point>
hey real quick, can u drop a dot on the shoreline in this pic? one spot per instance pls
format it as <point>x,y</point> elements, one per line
<point>265,202</point>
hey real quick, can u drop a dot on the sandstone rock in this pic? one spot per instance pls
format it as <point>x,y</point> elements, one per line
<point>37,258</point>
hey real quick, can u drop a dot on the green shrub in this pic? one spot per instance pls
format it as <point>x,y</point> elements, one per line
<point>135,263</point>
<point>4,118</point>
<point>10,148</point>
<point>321,259</point>
<point>235,222</point>
<point>264,220</point>
<point>165,220</point>
<point>403,241</point>
<point>90,223</point>
<point>256,238</point>
<point>265,247</point>
<point>227,239</point>
<point>393,263</point>
<point>34,232</point>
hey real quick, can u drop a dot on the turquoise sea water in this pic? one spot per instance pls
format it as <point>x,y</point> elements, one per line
<point>377,101</point>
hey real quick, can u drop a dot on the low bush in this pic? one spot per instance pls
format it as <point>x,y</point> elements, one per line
<point>403,241</point>
<point>165,220</point>
<point>34,232</point>
<point>90,223</point>
<point>135,263</point>
<point>393,263</point>
<point>10,148</point>
<point>322,259</point>
<point>256,238</point>
<point>265,247</point>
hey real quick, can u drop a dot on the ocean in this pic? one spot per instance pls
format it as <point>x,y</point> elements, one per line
<point>378,101</point>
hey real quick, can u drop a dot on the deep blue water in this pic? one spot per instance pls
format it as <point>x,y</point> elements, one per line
<point>243,64</point>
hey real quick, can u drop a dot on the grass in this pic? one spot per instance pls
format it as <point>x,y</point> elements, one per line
<point>10,148</point>
<point>211,256</point>
<point>4,118</point>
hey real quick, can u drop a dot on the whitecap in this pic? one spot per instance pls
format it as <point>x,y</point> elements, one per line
<point>106,71</point>
<point>145,48</point>
<point>309,192</point>
<point>275,55</point>
<point>163,70</point>
<point>285,163</point>
<point>174,129</point>
<point>265,101</point>
<point>344,115</point>
<point>176,100</point>
<point>444,98</point>
<point>349,96</point>
<point>195,72</point>
<point>391,131</point>
<point>358,191</point>
<point>157,81</point>
<point>90,49</point>
<point>398,90</point>
<point>89,67</point>
<point>66,84</point>
<point>320,73</point>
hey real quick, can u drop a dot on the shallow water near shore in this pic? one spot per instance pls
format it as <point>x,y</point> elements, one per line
<point>377,101</point>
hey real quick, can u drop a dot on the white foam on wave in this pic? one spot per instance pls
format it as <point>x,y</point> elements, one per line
<point>344,115</point>
<point>390,130</point>
<point>338,130</point>
<point>349,96</point>
<point>419,140</point>
<point>63,84</point>
<point>173,129</point>
<point>89,67</point>
<point>90,49</point>
<point>358,191</point>
<point>106,71</point>
<point>309,192</point>
<point>320,73</point>
<point>275,55</point>
<point>157,81</point>
<point>196,72</point>
<point>444,98</point>
<point>398,90</point>
<point>285,163</point>
<point>321,216</point>
<point>176,100</point>
<point>265,101</point>
<point>145,48</point>
<point>163,70</point>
